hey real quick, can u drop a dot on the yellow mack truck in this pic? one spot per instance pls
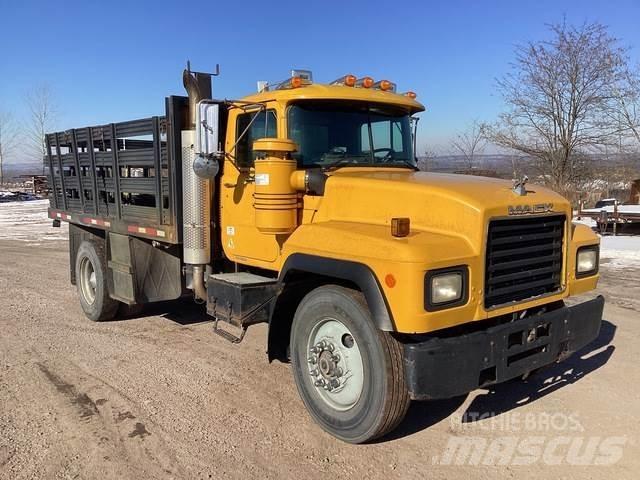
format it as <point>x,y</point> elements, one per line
<point>302,206</point>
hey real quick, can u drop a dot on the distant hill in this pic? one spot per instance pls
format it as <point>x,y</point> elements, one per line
<point>501,164</point>
<point>504,165</point>
<point>17,169</point>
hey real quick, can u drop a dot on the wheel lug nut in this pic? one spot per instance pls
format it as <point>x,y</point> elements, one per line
<point>313,360</point>
<point>330,347</point>
<point>334,383</point>
<point>339,372</point>
<point>336,358</point>
<point>314,372</point>
<point>319,383</point>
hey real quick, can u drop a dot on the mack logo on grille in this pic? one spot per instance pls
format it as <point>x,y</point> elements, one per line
<point>527,209</point>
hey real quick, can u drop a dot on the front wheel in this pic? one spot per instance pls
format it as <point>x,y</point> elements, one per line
<point>349,374</point>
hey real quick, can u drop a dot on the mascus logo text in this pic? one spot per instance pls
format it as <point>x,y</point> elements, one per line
<point>529,209</point>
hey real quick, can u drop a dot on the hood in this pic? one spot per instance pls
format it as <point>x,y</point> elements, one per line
<point>457,205</point>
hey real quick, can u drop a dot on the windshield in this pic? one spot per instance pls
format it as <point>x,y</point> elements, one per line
<point>330,133</point>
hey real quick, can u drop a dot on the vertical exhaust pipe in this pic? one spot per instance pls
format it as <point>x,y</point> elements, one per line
<point>196,192</point>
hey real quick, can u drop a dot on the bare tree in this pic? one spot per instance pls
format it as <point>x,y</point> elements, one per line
<point>560,98</point>
<point>470,143</point>
<point>42,116</point>
<point>8,140</point>
<point>627,102</point>
<point>425,163</point>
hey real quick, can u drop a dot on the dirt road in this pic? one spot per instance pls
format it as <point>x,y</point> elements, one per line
<point>160,396</point>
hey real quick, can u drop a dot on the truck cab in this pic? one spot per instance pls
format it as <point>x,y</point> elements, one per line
<point>302,206</point>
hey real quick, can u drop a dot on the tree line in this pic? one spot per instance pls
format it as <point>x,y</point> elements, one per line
<point>567,98</point>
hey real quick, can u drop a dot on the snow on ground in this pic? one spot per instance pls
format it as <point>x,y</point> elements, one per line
<point>588,221</point>
<point>621,251</point>
<point>610,209</point>
<point>28,221</point>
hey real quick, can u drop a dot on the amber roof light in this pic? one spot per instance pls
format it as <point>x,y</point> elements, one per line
<point>364,82</point>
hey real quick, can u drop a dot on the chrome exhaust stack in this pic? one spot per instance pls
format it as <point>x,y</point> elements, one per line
<point>197,192</point>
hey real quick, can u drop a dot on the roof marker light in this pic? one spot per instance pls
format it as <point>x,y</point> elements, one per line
<point>293,82</point>
<point>411,95</point>
<point>347,81</point>
<point>385,85</point>
<point>364,82</point>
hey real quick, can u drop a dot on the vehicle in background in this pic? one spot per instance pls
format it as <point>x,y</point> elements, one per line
<point>606,202</point>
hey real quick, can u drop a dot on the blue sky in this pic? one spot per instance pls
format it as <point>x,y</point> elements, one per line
<point>110,60</point>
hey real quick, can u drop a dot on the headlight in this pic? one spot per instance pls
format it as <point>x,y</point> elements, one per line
<point>446,288</point>
<point>587,261</point>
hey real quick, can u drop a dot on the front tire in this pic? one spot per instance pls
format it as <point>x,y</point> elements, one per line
<point>349,374</point>
<point>91,281</point>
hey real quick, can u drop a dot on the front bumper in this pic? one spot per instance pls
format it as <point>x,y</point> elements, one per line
<point>451,366</point>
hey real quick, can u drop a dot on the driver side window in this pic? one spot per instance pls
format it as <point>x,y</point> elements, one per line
<point>262,126</point>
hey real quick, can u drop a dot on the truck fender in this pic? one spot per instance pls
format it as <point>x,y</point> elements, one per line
<point>319,270</point>
<point>357,273</point>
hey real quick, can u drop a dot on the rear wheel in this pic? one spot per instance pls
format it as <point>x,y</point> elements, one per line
<point>91,283</point>
<point>349,374</point>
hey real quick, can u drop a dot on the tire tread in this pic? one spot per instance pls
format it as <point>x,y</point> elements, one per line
<point>109,306</point>
<point>398,400</point>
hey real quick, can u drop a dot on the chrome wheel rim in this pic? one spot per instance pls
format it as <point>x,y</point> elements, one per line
<point>88,282</point>
<point>335,364</point>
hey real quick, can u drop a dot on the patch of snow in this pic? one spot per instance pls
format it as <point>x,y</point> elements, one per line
<point>588,221</point>
<point>28,221</point>
<point>620,251</point>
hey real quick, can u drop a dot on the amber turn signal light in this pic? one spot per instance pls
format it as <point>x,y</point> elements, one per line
<point>400,227</point>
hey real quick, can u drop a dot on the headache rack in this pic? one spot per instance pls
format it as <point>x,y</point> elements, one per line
<point>122,176</point>
<point>523,258</point>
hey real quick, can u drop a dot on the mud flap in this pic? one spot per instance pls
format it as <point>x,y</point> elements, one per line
<point>140,273</point>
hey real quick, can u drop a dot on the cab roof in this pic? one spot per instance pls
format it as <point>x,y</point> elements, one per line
<point>318,91</point>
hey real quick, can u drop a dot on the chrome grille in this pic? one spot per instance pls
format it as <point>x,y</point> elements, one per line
<point>524,258</point>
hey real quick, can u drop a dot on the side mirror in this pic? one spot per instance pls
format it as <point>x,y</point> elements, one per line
<point>208,154</point>
<point>206,167</point>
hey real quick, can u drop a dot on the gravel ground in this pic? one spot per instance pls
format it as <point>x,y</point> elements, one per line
<point>161,396</point>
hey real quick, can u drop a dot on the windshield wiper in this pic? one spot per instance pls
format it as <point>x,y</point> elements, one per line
<point>399,162</point>
<point>342,162</point>
<point>336,164</point>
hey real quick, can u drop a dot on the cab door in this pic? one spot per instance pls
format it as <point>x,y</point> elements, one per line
<point>241,240</point>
